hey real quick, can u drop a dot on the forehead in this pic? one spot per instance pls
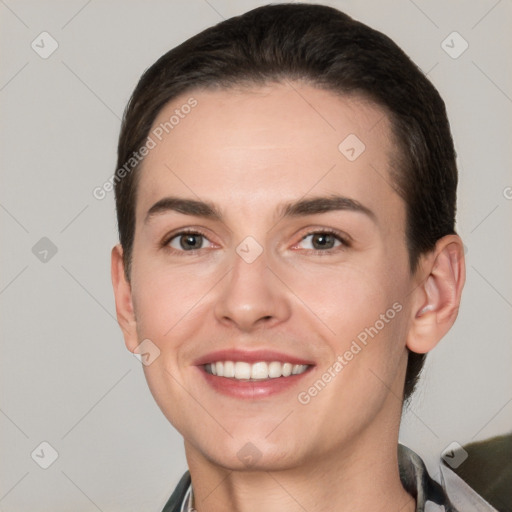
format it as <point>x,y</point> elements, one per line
<point>255,147</point>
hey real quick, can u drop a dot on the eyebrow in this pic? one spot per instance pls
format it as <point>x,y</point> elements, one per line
<point>300,208</point>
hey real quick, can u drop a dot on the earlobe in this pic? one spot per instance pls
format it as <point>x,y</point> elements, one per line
<point>438,297</point>
<point>123,298</point>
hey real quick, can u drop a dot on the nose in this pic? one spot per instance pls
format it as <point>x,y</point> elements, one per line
<point>252,296</point>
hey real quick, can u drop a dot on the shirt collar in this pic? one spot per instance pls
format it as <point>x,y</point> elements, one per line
<point>188,500</point>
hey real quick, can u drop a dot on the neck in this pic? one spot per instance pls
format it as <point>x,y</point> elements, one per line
<point>362,474</point>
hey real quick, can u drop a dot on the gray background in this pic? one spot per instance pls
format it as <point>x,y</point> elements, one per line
<point>66,376</point>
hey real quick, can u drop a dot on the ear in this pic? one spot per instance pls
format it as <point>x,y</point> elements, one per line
<point>123,298</point>
<point>436,300</point>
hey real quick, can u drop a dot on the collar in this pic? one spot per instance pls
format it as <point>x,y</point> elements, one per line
<point>186,506</point>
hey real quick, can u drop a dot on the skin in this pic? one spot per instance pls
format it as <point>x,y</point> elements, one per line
<point>248,151</point>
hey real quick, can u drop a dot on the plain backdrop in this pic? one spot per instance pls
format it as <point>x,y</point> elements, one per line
<point>66,377</point>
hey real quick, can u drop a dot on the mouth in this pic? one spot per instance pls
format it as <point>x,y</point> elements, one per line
<point>252,375</point>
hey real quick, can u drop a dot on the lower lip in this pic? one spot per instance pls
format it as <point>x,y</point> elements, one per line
<point>251,389</point>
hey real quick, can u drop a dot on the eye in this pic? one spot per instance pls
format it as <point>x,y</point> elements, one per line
<point>186,241</point>
<point>322,241</point>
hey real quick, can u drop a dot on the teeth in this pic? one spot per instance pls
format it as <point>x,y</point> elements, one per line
<point>297,368</point>
<point>274,370</point>
<point>257,371</point>
<point>229,369</point>
<point>242,370</point>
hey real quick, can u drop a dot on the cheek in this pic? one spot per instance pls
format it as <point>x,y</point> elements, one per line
<point>347,298</point>
<point>165,298</point>
<point>364,309</point>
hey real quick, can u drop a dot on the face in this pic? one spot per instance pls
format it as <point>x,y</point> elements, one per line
<point>279,306</point>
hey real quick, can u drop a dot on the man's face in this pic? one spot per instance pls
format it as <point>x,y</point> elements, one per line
<point>324,288</point>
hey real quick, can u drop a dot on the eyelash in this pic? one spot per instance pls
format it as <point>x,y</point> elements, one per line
<point>345,244</point>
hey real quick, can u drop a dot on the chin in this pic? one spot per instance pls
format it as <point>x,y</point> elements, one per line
<point>245,455</point>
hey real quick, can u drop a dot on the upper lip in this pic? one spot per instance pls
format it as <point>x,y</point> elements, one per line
<point>250,356</point>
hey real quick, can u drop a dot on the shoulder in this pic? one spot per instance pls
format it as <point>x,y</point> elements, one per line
<point>451,494</point>
<point>477,476</point>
